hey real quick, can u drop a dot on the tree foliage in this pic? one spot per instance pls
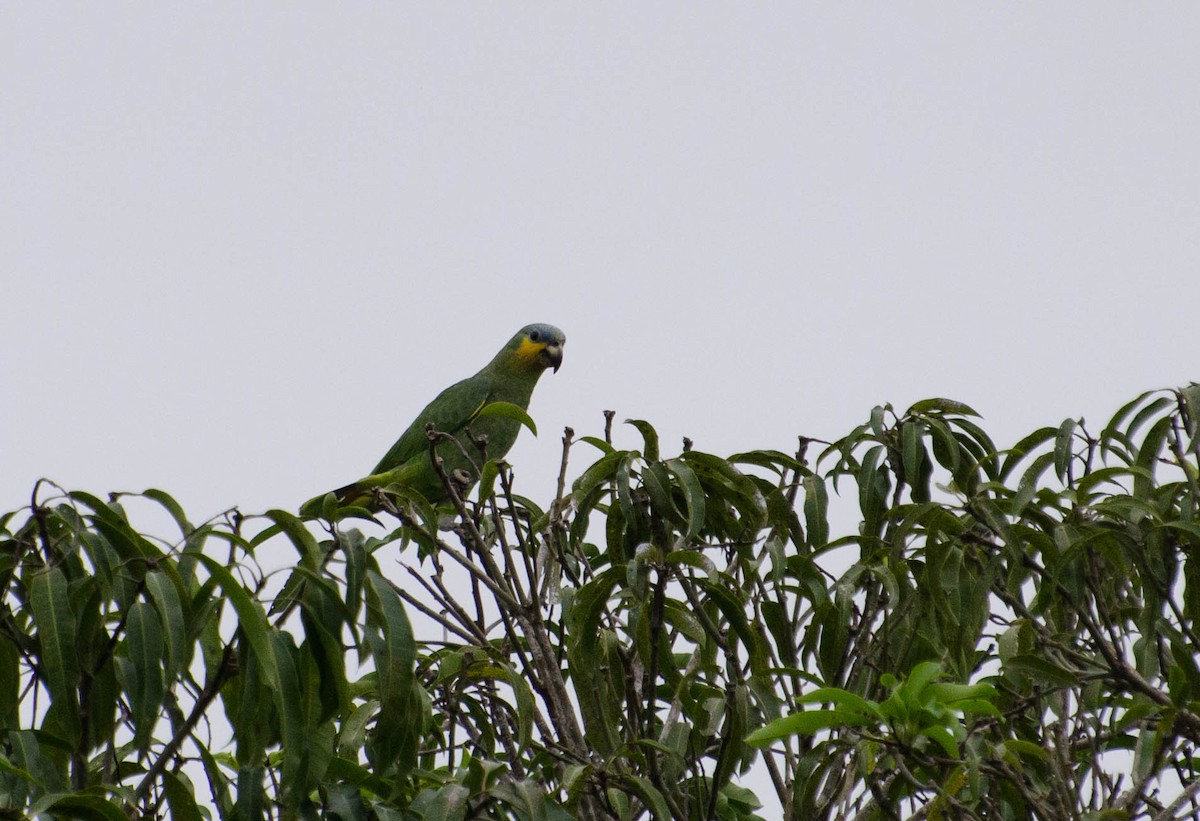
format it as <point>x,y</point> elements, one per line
<point>991,634</point>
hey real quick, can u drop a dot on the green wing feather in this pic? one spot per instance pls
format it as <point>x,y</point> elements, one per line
<point>450,412</point>
<point>509,378</point>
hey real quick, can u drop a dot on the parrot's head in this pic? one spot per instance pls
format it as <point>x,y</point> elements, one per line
<point>537,347</point>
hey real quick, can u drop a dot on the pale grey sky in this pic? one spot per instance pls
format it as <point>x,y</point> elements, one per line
<point>241,245</point>
<point>244,244</point>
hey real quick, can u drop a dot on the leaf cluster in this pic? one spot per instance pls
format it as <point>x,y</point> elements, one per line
<point>909,623</point>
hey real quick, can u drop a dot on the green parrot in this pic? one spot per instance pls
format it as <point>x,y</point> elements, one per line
<point>509,377</point>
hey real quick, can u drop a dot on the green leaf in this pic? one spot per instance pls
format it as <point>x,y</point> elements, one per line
<point>1112,439</point>
<point>976,707</point>
<point>397,730</point>
<point>166,599</point>
<point>584,636</point>
<point>487,480</point>
<point>180,798</point>
<point>733,729</point>
<point>250,797</point>
<point>918,679</point>
<point>1062,448</point>
<point>729,600</point>
<point>109,519</point>
<point>1160,405</point>
<point>680,617</point>
<point>945,447</point>
<point>1044,670</point>
<point>651,797</point>
<point>599,444</point>
<point>876,421</point>
<point>1190,396</point>
<point>806,723</point>
<point>83,805</point>
<point>844,699</point>
<point>693,495</point>
<point>947,693</point>
<point>251,618</point>
<point>173,507</point>
<point>873,486</point>
<point>508,410</point>
<point>323,615</point>
<point>219,781</point>
<point>691,558</point>
<point>50,601</point>
<point>602,470</point>
<point>1147,457</point>
<point>1028,486</point>
<point>525,705</point>
<point>773,460</point>
<point>913,457</point>
<point>28,756</point>
<point>351,772</point>
<point>10,681</point>
<point>940,406</point>
<point>144,645</point>
<point>725,485</point>
<point>657,484</point>
<point>1022,448</point>
<point>292,729</point>
<point>344,802</point>
<point>299,535</point>
<point>649,437</point>
<point>1026,749</point>
<point>992,518</point>
<point>780,627</point>
<point>943,738</point>
<point>816,511</point>
<point>1103,476</point>
<point>977,442</point>
<point>449,803</point>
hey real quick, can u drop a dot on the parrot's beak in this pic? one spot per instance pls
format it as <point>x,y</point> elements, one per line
<point>554,355</point>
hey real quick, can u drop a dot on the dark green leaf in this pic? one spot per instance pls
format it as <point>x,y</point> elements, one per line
<point>600,444</point>
<point>940,406</point>
<point>397,730</point>
<point>913,454</point>
<point>180,798</point>
<point>844,699</point>
<point>1043,669</point>
<point>693,495</point>
<point>299,535</point>
<point>1062,448</point>
<point>167,602</point>
<point>145,647</point>
<point>651,797</point>
<point>82,805</point>
<point>50,602</point>
<point>251,618</point>
<point>508,410</point>
<point>1147,457</point>
<point>816,510</point>
<point>649,438</point>
<point>806,722</point>
<point>1024,447</point>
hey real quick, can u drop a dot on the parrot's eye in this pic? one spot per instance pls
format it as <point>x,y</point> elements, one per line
<point>535,336</point>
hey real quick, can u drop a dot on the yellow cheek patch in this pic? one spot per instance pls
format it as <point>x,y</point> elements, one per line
<point>529,350</point>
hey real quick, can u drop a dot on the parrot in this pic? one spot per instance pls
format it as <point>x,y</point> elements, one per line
<point>510,377</point>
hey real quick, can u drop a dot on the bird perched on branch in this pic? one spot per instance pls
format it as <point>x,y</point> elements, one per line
<point>459,411</point>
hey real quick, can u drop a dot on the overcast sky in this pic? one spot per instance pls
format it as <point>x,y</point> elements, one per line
<point>244,244</point>
<point>241,245</point>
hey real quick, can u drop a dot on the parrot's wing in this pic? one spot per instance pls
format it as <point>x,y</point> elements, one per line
<point>450,412</point>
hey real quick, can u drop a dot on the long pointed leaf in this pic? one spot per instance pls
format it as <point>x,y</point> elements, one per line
<point>50,601</point>
<point>251,618</point>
